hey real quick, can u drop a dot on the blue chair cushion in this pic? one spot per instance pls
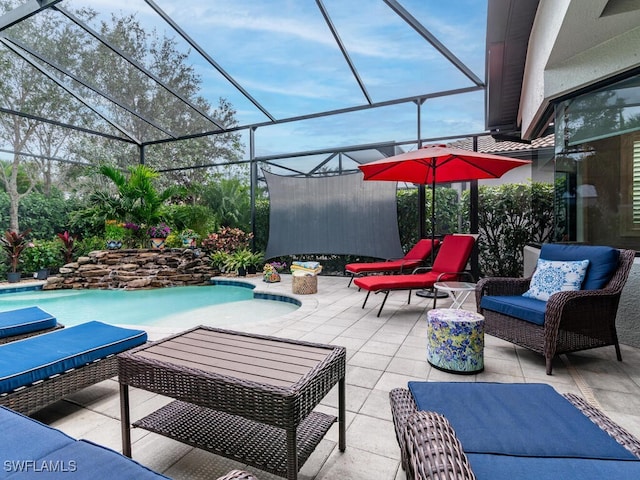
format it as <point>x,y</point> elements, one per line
<point>503,467</point>
<point>525,308</point>
<point>37,450</point>
<point>529,420</point>
<point>25,320</point>
<point>603,261</point>
<point>87,460</point>
<point>29,438</point>
<point>41,356</point>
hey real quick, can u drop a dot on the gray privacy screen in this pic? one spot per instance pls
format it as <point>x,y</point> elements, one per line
<point>339,215</point>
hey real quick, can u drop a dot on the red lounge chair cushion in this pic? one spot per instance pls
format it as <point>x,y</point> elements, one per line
<point>414,258</point>
<point>451,258</point>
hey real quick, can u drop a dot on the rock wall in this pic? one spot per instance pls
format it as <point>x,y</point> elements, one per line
<point>131,269</point>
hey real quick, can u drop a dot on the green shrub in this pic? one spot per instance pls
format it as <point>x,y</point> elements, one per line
<point>43,254</point>
<point>89,244</point>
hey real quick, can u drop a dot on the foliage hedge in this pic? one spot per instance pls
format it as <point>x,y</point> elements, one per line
<point>510,216</point>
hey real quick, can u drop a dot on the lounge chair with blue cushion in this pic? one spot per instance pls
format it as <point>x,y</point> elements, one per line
<point>503,431</point>
<point>42,369</point>
<point>36,450</point>
<point>25,322</point>
<point>564,307</point>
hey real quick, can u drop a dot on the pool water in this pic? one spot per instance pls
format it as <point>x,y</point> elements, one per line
<point>214,305</point>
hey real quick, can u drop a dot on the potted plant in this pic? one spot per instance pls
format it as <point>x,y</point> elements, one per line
<point>115,234</point>
<point>189,238</point>
<point>40,257</point>
<point>14,243</point>
<point>158,234</point>
<point>239,261</point>
<point>257,259</point>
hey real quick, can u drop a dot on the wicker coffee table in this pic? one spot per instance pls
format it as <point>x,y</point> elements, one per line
<point>243,396</point>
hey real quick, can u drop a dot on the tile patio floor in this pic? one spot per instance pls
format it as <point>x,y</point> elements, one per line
<point>382,353</point>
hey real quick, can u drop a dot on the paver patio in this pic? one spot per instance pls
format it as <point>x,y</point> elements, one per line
<point>382,353</point>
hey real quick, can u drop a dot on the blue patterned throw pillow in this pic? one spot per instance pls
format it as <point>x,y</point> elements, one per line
<point>552,276</point>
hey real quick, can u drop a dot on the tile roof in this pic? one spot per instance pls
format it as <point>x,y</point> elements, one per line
<point>488,144</point>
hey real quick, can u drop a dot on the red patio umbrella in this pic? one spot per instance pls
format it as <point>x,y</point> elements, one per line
<point>433,164</point>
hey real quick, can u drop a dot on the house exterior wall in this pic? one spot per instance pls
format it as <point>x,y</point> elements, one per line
<point>571,47</point>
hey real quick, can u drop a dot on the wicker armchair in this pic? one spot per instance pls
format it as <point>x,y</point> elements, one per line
<point>573,320</point>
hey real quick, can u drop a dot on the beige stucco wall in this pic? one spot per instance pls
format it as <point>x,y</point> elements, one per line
<point>572,46</point>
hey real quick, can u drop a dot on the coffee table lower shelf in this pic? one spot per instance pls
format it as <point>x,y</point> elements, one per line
<point>262,446</point>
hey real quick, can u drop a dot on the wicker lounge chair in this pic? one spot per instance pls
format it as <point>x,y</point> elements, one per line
<point>448,265</point>
<point>432,449</point>
<point>25,322</point>
<point>568,321</point>
<point>34,375</point>
<point>416,257</point>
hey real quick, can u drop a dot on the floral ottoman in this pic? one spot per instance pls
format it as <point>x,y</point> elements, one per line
<point>455,340</point>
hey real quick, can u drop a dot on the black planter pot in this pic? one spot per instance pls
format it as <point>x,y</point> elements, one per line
<point>242,272</point>
<point>13,277</point>
<point>42,274</point>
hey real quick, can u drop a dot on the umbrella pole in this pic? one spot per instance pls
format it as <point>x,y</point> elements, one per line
<point>426,293</point>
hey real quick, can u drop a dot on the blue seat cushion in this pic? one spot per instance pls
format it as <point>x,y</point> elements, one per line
<point>37,450</point>
<point>503,467</point>
<point>529,420</point>
<point>25,320</point>
<point>603,261</point>
<point>29,438</point>
<point>87,460</point>
<point>525,308</point>
<point>41,356</point>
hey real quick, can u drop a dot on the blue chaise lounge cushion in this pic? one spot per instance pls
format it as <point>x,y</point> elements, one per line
<point>505,467</point>
<point>603,261</point>
<point>25,320</point>
<point>525,308</point>
<point>528,420</point>
<point>35,450</point>
<point>39,357</point>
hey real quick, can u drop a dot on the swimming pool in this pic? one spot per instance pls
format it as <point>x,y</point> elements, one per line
<point>184,307</point>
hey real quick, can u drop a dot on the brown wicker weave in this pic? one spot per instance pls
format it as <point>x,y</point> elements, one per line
<point>575,320</point>
<point>430,451</point>
<point>265,422</point>
<point>31,398</point>
<point>13,338</point>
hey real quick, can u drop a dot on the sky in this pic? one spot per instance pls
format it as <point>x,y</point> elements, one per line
<point>283,54</point>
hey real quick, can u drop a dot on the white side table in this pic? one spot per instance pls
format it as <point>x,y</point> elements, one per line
<point>459,291</point>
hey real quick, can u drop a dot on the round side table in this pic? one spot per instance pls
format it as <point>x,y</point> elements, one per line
<point>459,291</point>
<point>455,340</point>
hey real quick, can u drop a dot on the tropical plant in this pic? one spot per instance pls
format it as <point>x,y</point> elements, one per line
<point>136,200</point>
<point>240,259</point>
<point>14,243</point>
<point>68,245</point>
<point>219,259</point>
<point>227,239</point>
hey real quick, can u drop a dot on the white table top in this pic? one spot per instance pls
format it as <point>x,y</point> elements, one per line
<point>455,286</point>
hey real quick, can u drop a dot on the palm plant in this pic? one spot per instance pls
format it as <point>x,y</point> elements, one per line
<point>137,199</point>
